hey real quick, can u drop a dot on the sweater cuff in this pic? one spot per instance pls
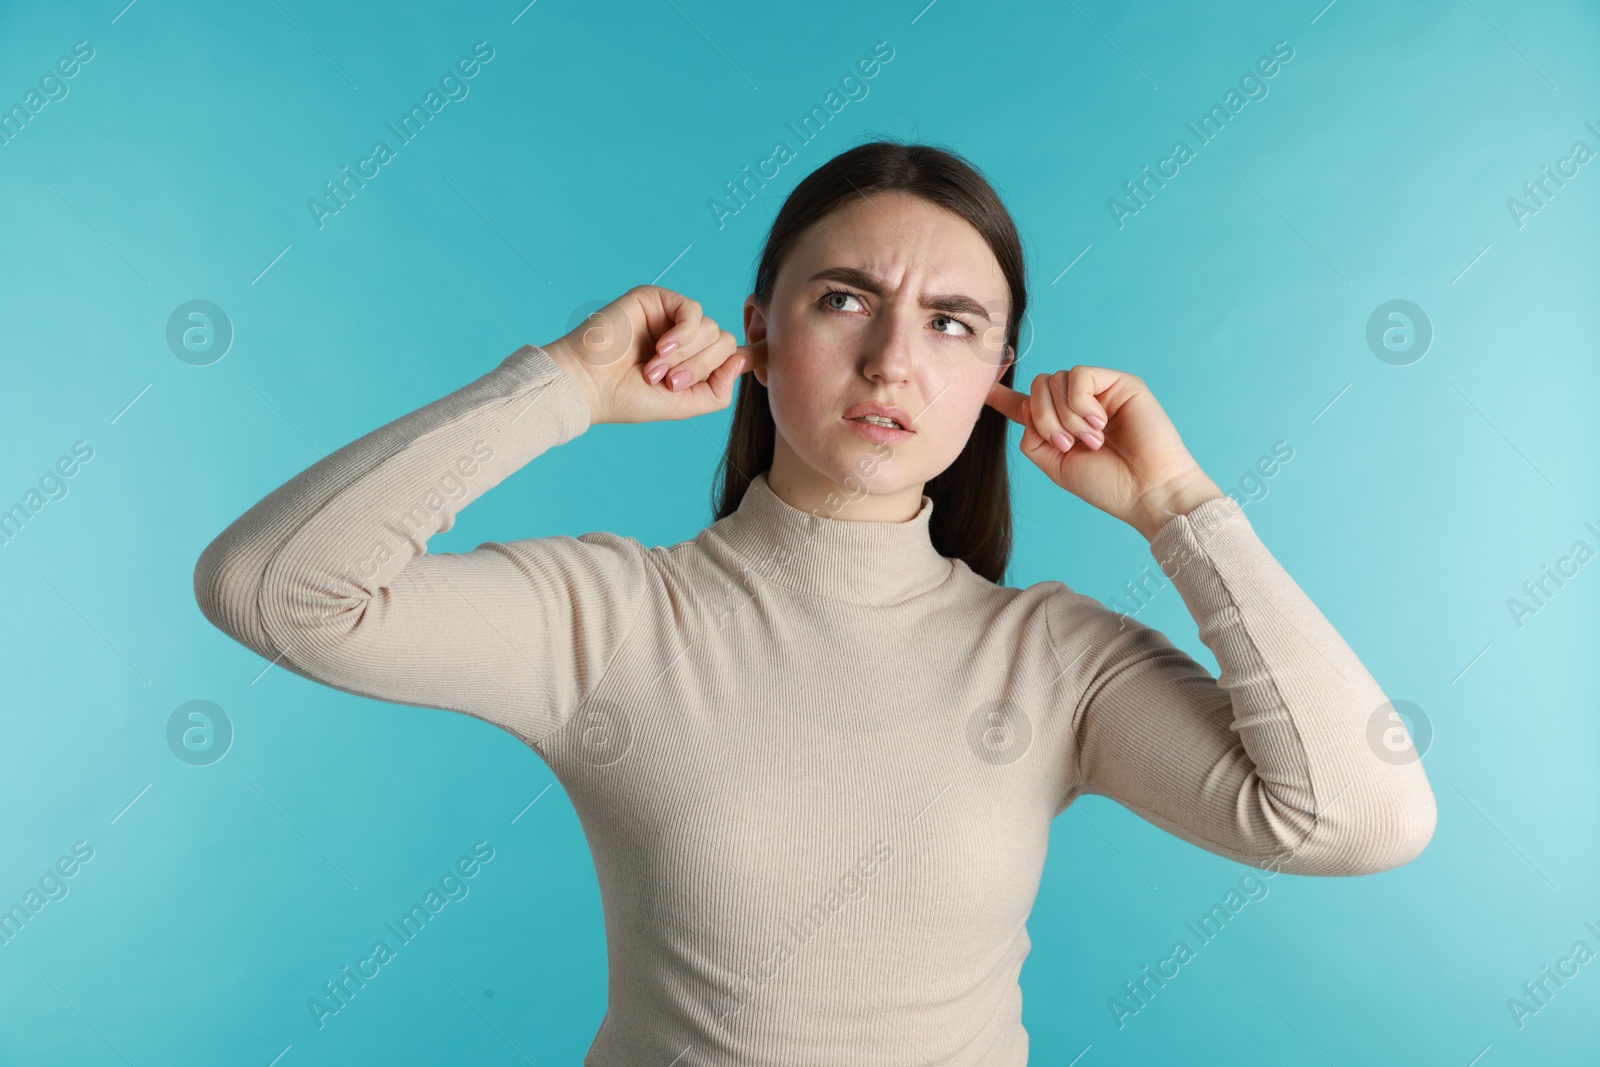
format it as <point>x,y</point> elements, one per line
<point>531,365</point>
<point>1184,537</point>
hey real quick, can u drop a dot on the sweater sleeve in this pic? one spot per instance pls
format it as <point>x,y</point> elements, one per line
<point>1268,764</point>
<point>328,575</point>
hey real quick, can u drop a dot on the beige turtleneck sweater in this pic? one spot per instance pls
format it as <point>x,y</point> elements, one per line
<point>816,762</point>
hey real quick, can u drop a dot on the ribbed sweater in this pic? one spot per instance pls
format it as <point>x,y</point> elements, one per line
<point>816,762</point>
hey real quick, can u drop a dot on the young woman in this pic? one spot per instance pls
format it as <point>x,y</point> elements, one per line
<point>816,750</point>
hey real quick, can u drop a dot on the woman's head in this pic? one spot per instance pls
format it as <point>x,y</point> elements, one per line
<point>891,275</point>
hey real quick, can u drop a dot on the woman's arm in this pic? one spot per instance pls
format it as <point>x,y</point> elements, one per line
<point>1269,763</point>
<point>329,576</point>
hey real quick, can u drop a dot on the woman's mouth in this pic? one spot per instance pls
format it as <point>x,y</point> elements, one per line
<point>880,429</point>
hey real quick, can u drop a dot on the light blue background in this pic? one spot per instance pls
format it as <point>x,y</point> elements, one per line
<point>178,167</point>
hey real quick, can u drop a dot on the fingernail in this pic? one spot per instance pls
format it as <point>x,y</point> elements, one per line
<point>1092,439</point>
<point>681,377</point>
<point>1096,421</point>
<point>1061,440</point>
<point>666,349</point>
<point>653,375</point>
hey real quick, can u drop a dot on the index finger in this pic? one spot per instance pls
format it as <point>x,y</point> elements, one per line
<point>1008,402</point>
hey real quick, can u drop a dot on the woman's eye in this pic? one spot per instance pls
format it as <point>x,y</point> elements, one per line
<point>958,322</point>
<point>828,298</point>
<point>831,293</point>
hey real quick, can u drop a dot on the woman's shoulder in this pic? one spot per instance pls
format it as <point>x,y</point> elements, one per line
<point>993,605</point>
<point>1061,607</point>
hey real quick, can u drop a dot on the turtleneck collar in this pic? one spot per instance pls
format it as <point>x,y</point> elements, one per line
<point>862,561</point>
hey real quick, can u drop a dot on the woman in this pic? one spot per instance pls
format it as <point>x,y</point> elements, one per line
<point>816,750</point>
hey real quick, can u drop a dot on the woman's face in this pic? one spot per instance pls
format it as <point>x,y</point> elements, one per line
<point>888,300</point>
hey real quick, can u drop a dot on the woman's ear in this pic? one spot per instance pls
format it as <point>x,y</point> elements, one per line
<point>758,357</point>
<point>1011,357</point>
<point>755,338</point>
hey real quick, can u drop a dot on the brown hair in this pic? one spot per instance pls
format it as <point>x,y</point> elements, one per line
<point>972,497</point>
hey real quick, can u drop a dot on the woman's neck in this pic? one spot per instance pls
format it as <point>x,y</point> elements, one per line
<point>803,487</point>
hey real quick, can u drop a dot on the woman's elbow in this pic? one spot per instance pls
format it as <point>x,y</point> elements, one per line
<point>228,591</point>
<point>221,590</point>
<point>1396,835</point>
<point>1383,837</point>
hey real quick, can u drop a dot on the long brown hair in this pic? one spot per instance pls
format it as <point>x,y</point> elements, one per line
<point>972,497</point>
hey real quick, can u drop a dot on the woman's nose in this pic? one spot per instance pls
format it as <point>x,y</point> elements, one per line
<point>890,351</point>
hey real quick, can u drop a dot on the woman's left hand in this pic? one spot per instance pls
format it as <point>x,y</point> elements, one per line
<point>1122,454</point>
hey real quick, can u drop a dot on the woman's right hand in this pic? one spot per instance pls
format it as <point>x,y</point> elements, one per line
<point>610,352</point>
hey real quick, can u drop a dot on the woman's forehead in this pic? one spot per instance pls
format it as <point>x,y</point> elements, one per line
<point>939,249</point>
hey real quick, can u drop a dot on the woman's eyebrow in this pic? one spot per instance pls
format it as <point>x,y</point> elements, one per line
<point>947,302</point>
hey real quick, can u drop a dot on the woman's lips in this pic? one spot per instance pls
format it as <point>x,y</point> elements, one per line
<point>883,435</point>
